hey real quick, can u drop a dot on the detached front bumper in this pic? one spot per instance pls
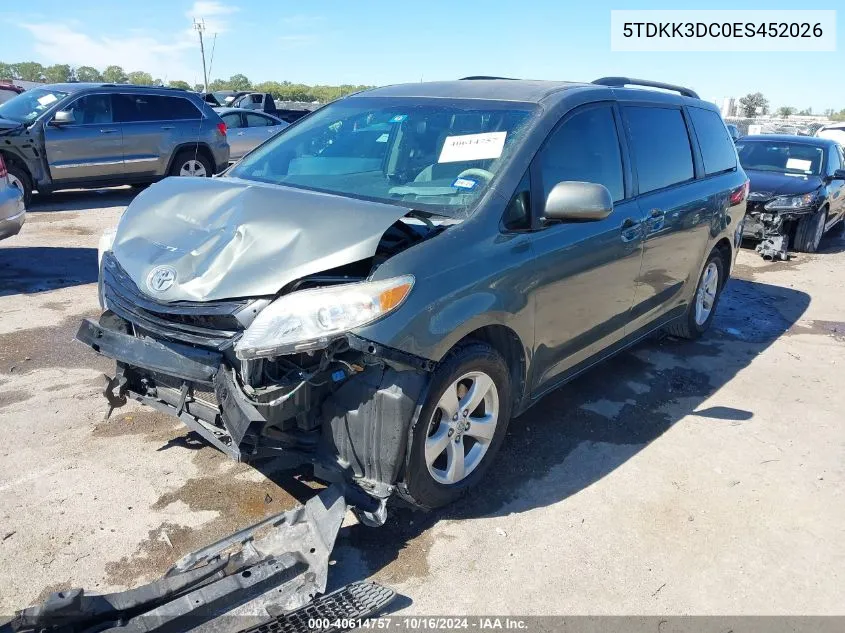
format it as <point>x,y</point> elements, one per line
<point>362,420</point>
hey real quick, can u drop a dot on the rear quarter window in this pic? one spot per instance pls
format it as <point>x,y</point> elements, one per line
<point>717,148</point>
<point>660,146</point>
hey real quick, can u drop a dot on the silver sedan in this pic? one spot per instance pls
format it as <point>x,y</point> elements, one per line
<point>246,130</point>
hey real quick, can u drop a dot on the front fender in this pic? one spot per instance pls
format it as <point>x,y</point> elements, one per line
<point>465,280</point>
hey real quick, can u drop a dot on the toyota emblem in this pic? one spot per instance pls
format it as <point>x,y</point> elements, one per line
<point>161,278</point>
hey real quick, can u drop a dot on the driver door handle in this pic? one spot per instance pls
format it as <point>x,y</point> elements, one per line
<point>630,229</point>
<point>110,130</point>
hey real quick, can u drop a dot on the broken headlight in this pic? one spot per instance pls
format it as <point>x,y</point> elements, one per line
<point>786,203</point>
<point>310,319</point>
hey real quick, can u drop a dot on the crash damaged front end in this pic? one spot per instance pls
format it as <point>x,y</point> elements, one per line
<point>344,405</point>
<point>771,220</point>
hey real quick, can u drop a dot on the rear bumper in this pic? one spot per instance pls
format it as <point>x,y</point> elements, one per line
<point>362,421</point>
<point>12,211</point>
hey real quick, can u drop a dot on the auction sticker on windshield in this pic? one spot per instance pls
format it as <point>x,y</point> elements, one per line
<point>799,164</point>
<point>472,147</point>
<point>47,99</point>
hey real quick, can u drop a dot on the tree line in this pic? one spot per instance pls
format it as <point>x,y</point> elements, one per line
<point>284,91</point>
<point>754,104</point>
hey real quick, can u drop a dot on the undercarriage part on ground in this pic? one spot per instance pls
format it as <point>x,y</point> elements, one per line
<point>265,577</point>
<point>770,229</point>
<point>774,247</point>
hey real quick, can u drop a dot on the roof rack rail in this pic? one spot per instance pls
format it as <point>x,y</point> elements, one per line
<point>620,82</point>
<point>478,77</point>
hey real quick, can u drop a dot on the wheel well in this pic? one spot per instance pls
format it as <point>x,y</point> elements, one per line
<point>200,148</point>
<point>723,246</point>
<point>505,341</point>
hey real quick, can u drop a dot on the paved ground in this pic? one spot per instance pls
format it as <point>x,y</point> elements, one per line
<point>701,478</point>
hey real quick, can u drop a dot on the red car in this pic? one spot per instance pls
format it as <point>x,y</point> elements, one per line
<point>7,91</point>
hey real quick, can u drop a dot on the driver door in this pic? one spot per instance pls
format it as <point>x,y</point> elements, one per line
<point>90,148</point>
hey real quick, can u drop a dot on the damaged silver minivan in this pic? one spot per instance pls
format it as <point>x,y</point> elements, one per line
<point>380,288</point>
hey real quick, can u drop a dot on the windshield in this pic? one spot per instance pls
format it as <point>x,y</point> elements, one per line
<point>29,105</point>
<point>431,154</point>
<point>779,156</point>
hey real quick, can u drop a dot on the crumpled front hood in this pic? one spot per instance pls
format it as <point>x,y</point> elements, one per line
<point>205,239</point>
<point>768,184</point>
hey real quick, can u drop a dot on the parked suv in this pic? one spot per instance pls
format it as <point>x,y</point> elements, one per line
<point>378,290</point>
<point>61,136</point>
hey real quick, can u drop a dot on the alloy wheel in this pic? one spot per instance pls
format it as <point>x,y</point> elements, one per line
<point>705,296</point>
<point>193,168</point>
<point>462,427</point>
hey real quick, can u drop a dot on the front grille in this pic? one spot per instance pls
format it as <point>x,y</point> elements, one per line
<point>212,324</point>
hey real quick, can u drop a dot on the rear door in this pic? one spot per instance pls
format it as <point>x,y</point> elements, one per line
<point>677,209</point>
<point>90,148</point>
<point>260,127</point>
<point>586,271</point>
<point>153,126</point>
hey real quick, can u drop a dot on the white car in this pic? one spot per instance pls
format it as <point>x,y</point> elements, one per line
<point>247,129</point>
<point>834,131</point>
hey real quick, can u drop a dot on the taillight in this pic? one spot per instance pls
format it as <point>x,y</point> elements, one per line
<point>221,127</point>
<point>3,171</point>
<point>741,193</point>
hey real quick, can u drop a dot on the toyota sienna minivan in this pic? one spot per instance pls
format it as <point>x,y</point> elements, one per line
<point>379,289</point>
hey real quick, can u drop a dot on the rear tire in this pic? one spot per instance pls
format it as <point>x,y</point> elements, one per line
<point>451,452</point>
<point>191,163</point>
<point>20,178</point>
<point>809,231</point>
<point>699,315</point>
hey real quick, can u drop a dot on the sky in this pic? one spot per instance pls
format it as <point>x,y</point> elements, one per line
<point>378,42</point>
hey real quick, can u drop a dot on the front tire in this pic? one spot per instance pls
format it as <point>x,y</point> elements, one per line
<point>699,315</point>
<point>461,426</point>
<point>809,231</point>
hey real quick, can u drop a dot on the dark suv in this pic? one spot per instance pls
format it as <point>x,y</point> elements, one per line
<point>62,136</point>
<point>379,289</point>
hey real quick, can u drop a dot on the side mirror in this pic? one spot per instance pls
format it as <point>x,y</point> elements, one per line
<point>63,117</point>
<point>839,174</point>
<point>571,200</point>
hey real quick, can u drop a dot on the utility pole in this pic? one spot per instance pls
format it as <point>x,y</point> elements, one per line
<point>199,27</point>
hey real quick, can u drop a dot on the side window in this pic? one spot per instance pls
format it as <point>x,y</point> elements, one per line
<point>584,148</point>
<point>833,162</point>
<point>256,120</point>
<point>256,99</point>
<point>717,148</point>
<point>660,146</point>
<point>179,109</point>
<point>92,109</point>
<point>232,120</point>
<point>141,107</point>
<point>518,212</point>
